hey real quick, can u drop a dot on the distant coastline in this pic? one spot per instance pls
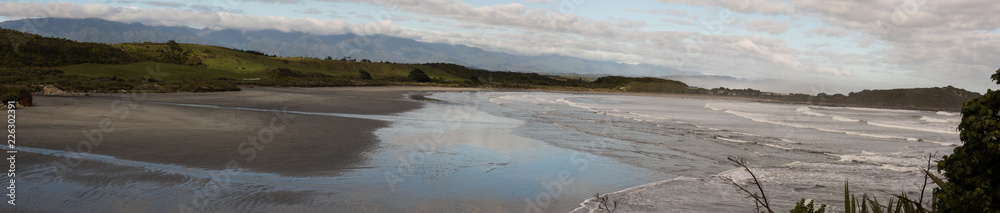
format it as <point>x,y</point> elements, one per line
<point>43,65</point>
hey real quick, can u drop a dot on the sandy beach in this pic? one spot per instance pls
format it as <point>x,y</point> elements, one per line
<point>209,138</point>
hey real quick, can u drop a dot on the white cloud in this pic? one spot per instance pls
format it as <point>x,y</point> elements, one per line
<point>767,7</point>
<point>310,11</point>
<point>508,15</point>
<point>275,1</point>
<point>941,41</point>
<point>673,12</point>
<point>766,53</point>
<point>538,1</point>
<point>768,26</point>
<point>827,31</point>
<point>833,71</point>
<point>165,3</point>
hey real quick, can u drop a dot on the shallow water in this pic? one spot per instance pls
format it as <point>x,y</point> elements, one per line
<point>548,152</point>
<point>797,151</point>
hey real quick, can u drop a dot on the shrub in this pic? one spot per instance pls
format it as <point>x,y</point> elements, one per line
<point>419,76</point>
<point>802,207</point>
<point>973,169</point>
<point>364,74</point>
<point>19,94</point>
<point>281,73</point>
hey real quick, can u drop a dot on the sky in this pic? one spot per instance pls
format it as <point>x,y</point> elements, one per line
<point>813,45</point>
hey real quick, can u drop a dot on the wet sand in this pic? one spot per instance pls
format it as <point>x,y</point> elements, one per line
<point>205,138</point>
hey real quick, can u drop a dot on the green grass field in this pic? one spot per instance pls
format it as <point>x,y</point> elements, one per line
<point>138,70</point>
<point>225,62</point>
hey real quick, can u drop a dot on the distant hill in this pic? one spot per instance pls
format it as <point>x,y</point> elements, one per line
<point>291,44</point>
<point>930,99</point>
<point>935,99</point>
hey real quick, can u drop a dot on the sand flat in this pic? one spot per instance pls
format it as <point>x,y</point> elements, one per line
<point>209,138</point>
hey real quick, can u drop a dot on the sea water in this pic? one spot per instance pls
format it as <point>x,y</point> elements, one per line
<point>796,151</point>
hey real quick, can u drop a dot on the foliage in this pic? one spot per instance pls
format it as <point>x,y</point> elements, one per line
<point>254,52</point>
<point>19,49</point>
<point>871,204</point>
<point>602,203</point>
<point>760,200</point>
<point>503,79</point>
<point>973,169</point>
<point>170,52</point>
<point>852,204</point>
<point>419,76</point>
<point>939,98</point>
<point>19,77</point>
<point>802,207</point>
<point>281,72</point>
<point>20,95</point>
<point>364,75</point>
<point>621,81</point>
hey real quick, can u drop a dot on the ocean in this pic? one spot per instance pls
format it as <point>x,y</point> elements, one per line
<point>675,149</point>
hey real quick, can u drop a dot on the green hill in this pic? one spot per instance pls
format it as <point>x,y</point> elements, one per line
<point>31,61</point>
<point>645,84</point>
<point>19,49</point>
<point>937,99</point>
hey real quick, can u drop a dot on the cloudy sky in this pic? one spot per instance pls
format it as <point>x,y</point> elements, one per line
<point>814,45</point>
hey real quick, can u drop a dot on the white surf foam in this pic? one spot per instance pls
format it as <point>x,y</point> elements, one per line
<point>776,146</point>
<point>942,131</point>
<point>731,140</point>
<point>807,111</point>
<point>711,106</point>
<point>756,117</point>
<point>938,120</point>
<point>845,119</point>
<point>948,113</point>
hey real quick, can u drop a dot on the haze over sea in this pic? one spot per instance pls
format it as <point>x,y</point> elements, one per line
<point>541,151</point>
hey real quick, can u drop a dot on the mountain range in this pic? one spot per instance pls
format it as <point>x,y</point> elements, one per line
<point>374,47</point>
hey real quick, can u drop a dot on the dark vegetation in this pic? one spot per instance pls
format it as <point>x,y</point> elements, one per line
<point>932,99</point>
<point>973,169</point>
<point>364,75</point>
<point>20,95</point>
<point>419,76</point>
<point>19,49</point>
<point>254,52</point>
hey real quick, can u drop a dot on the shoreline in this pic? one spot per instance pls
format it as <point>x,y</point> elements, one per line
<point>208,138</point>
<point>449,88</point>
<point>741,98</point>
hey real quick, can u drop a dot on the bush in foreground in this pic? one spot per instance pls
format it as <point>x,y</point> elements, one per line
<point>973,169</point>
<point>20,95</point>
